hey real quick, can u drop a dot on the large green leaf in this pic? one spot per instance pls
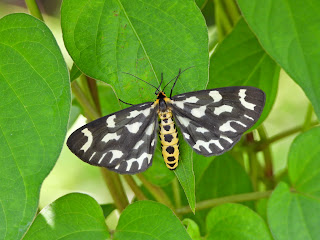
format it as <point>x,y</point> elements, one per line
<point>235,222</point>
<point>289,31</point>
<point>295,214</point>
<point>34,106</point>
<point>73,216</point>
<point>241,61</point>
<point>147,220</point>
<point>145,38</point>
<point>184,172</point>
<point>304,163</point>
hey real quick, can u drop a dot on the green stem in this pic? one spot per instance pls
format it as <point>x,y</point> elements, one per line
<point>176,193</point>
<point>253,169</point>
<point>84,102</point>
<point>218,201</point>
<point>308,118</point>
<point>115,188</point>
<point>232,11</point>
<point>268,169</point>
<point>134,187</point>
<point>156,191</point>
<point>92,85</point>
<point>34,9</point>
<point>224,24</point>
<point>263,144</point>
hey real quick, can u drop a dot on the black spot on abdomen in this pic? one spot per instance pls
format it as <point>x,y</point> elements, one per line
<point>171,159</point>
<point>170,149</point>
<point>166,127</point>
<point>168,137</point>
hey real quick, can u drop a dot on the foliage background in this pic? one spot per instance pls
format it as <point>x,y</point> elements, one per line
<point>290,110</point>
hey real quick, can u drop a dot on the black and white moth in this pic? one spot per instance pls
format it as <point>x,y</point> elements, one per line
<point>211,121</point>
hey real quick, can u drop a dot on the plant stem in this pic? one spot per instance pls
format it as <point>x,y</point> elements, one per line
<point>232,11</point>
<point>308,118</point>
<point>263,144</point>
<point>156,191</point>
<point>268,169</point>
<point>84,102</point>
<point>176,193</point>
<point>223,23</point>
<point>253,169</point>
<point>116,189</point>
<point>134,187</point>
<point>92,84</point>
<point>218,201</point>
<point>34,9</point>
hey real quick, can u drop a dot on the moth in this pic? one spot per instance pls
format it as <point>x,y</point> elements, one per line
<point>211,122</point>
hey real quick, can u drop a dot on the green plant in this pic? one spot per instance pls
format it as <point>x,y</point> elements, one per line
<point>249,42</point>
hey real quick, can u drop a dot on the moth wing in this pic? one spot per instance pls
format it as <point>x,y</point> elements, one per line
<point>123,142</point>
<point>212,121</point>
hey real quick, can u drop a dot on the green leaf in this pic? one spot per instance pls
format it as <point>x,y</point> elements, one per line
<point>223,176</point>
<point>147,220</point>
<point>184,172</point>
<point>34,116</point>
<point>235,222</point>
<point>241,61</point>
<point>304,162</point>
<point>289,31</point>
<point>107,209</point>
<point>74,73</point>
<point>144,38</point>
<point>192,228</point>
<point>293,216</point>
<point>73,216</point>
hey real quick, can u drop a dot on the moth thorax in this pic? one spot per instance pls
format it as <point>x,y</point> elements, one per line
<point>169,139</point>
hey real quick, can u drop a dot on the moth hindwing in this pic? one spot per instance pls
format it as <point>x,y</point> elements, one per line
<point>211,121</point>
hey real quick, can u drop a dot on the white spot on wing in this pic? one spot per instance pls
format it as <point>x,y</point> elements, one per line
<point>216,96</point>
<point>139,160</point>
<point>88,134</point>
<point>206,145</point>
<point>226,126</point>
<point>186,135</point>
<point>226,138</point>
<point>115,154</point>
<point>110,121</point>
<point>94,153</point>
<point>180,104</point>
<point>184,121</point>
<point>138,144</point>
<point>150,129</point>
<point>152,143</point>
<point>199,112</point>
<point>102,157</point>
<point>134,127</point>
<point>192,99</point>
<point>110,136</point>
<point>135,113</point>
<point>249,117</point>
<point>242,95</point>
<point>201,130</point>
<point>221,109</point>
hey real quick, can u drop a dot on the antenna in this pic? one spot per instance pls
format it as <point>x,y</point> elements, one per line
<point>176,79</point>
<point>141,79</point>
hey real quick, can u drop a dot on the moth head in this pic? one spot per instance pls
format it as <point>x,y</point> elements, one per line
<point>162,103</point>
